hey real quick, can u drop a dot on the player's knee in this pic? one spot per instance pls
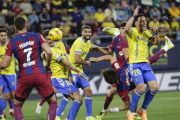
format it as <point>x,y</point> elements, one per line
<point>140,88</point>
<point>155,88</point>
<point>88,91</point>
<point>6,96</point>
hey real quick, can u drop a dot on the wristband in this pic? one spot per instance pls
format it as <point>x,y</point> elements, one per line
<point>70,75</point>
<point>156,33</point>
<point>133,16</point>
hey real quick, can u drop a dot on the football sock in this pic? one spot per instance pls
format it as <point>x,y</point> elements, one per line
<point>135,98</point>
<point>107,102</point>
<point>88,103</point>
<point>156,56</point>
<point>68,115</point>
<point>10,103</point>
<point>52,110</point>
<point>42,102</point>
<point>122,41</point>
<point>74,109</point>
<point>18,112</point>
<point>62,106</point>
<point>1,105</point>
<point>148,98</point>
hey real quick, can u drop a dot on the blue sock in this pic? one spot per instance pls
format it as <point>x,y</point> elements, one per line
<point>74,109</point>
<point>88,103</point>
<point>148,98</point>
<point>68,115</point>
<point>135,99</point>
<point>12,101</point>
<point>62,106</point>
<point>1,105</point>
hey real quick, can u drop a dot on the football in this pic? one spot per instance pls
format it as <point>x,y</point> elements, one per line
<point>55,34</point>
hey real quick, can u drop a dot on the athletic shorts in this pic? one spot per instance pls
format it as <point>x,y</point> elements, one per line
<point>49,75</point>
<point>141,72</point>
<point>39,81</point>
<point>80,82</point>
<point>64,86</point>
<point>10,81</point>
<point>4,85</point>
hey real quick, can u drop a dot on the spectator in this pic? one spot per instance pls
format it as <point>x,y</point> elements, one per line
<point>44,17</point>
<point>154,22</point>
<point>48,5</point>
<point>65,28</point>
<point>22,14</point>
<point>174,27</point>
<point>41,28</point>
<point>76,15</point>
<point>26,7</point>
<point>88,17</point>
<point>155,12</point>
<point>165,24</point>
<point>69,5</point>
<point>4,7</point>
<point>57,4</point>
<point>110,12</point>
<point>122,14</point>
<point>118,24</point>
<point>10,30</point>
<point>66,17</point>
<point>103,4</point>
<point>2,20</point>
<point>17,9</point>
<point>9,18</point>
<point>55,16</point>
<point>146,3</point>
<point>156,3</point>
<point>33,18</point>
<point>73,29</point>
<point>146,14</point>
<point>37,6</point>
<point>29,27</point>
<point>131,10</point>
<point>162,35</point>
<point>164,12</point>
<point>99,15</point>
<point>174,11</point>
<point>108,23</point>
<point>95,39</point>
<point>96,27</point>
<point>53,24</point>
<point>115,4</point>
<point>125,4</point>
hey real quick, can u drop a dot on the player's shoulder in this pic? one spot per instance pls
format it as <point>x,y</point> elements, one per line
<point>79,40</point>
<point>89,41</point>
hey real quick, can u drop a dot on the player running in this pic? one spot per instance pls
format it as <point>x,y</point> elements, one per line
<point>26,48</point>
<point>7,76</point>
<point>140,70</point>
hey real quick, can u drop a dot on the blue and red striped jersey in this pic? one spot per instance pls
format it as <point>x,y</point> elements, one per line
<point>27,50</point>
<point>117,47</point>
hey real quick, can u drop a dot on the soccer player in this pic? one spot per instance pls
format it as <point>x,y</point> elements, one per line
<point>26,48</point>
<point>78,53</point>
<point>7,76</point>
<point>140,70</point>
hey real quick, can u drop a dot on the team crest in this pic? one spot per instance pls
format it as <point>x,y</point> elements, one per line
<point>69,89</point>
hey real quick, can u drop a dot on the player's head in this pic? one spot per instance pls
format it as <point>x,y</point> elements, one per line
<point>122,29</point>
<point>86,32</point>
<point>3,35</point>
<point>20,23</point>
<point>46,37</point>
<point>140,22</point>
<point>110,75</point>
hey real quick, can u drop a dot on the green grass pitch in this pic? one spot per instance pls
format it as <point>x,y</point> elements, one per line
<point>165,106</point>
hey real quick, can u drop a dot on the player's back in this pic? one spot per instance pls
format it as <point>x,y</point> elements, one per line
<point>137,42</point>
<point>27,49</point>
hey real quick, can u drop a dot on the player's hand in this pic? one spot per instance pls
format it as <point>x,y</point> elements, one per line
<point>94,48</point>
<point>82,76</point>
<point>92,59</point>
<point>154,29</point>
<point>88,64</point>
<point>47,68</point>
<point>137,10</point>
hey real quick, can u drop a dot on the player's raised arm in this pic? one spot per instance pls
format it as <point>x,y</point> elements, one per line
<point>156,39</point>
<point>102,58</point>
<point>128,26</point>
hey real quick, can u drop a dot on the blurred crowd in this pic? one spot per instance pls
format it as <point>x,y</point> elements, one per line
<point>71,15</point>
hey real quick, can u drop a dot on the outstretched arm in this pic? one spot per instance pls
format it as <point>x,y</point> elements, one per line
<point>102,58</point>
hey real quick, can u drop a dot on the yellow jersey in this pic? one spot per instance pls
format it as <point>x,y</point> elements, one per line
<point>137,42</point>
<point>10,70</point>
<point>59,70</point>
<point>79,47</point>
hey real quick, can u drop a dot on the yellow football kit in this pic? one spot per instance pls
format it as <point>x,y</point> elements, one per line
<point>137,42</point>
<point>79,47</point>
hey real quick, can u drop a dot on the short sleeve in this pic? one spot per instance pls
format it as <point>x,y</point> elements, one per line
<point>116,66</point>
<point>149,35</point>
<point>112,45</point>
<point>55,55</point>
<point>42,40</point>
<point>78,48</point>
<point>9,49</point>
<point>130,35</point>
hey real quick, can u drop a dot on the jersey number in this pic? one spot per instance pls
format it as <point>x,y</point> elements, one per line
<point>28,60</point>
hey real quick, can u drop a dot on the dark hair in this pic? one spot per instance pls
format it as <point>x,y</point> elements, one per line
<point>20,22</point>
<point>123,24</point>
<point>86,27</point>
<point>139,15</point>
<point>3,30</point>
<point>45,33</point>
<point>110,75</point>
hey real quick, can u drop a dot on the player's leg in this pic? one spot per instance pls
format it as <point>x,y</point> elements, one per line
<point>11,109</point>
<point>107,102</point>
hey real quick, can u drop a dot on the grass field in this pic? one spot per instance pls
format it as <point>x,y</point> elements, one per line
<point>165,106</point>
